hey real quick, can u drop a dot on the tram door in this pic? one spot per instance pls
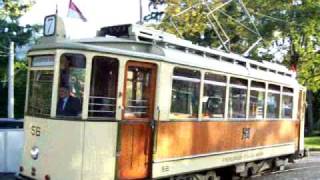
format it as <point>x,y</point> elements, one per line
<point>301,118</point>
<point>135,128</point>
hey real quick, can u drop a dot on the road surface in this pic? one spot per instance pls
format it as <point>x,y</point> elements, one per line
<point>304,169</point>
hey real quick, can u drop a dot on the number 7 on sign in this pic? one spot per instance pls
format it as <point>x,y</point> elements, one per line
<point>49,25</point>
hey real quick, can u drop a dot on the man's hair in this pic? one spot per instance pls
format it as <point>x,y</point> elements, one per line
<point>67,88</point>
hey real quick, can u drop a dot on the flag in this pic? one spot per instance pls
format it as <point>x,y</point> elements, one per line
<point>75,12</point>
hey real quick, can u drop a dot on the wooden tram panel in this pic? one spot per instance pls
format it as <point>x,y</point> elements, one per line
<point>134,161</point>
<point>135,144</point>
<point>181,139</point>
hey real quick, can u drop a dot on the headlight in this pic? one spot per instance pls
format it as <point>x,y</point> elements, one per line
<point>34,152</point>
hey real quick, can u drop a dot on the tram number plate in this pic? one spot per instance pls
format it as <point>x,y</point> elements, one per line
<point>35,131</point>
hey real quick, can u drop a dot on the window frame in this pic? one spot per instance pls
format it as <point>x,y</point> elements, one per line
<point>290,94</point>
<point>173,117</point>
<point>280,99</point>
<point>258,89</point>
<point>105,58</point>
<point>153,84</point>
<point>84,112</point>
<point>230,85</point>
<point>213,83</point>
<point>37,68</point>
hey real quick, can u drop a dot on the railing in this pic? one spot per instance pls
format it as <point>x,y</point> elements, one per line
<point>137,106</point>
<point>102,106</point>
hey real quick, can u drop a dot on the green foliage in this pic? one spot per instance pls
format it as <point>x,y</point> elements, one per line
<point>293,27</point>
<point>20,89</point>
<point>11,30</point>
<point>312,142</point>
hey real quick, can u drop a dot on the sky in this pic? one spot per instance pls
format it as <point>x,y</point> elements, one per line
<point>99,13</point>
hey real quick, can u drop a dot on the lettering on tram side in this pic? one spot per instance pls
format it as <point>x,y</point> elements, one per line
<point>246,133</point>
<point>165,169</point>
<point>243,156</point>
<point>35,131</point>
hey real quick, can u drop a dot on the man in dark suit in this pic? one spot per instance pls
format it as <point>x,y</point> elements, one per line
<point>68,105</point>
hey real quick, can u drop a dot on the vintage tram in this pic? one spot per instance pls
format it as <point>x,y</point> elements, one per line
<point>136,103</point>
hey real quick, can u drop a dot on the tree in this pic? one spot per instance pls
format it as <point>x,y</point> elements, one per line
<point>11,30</point>
<point>288,27</point>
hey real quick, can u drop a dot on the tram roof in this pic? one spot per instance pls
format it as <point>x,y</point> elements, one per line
<point>185,53</point>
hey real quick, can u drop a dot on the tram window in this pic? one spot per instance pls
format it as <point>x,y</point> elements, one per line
<point>287,90</point>
<point>214,94</point>
<point>138,92</point>
<point>215,77</point>
<point>273,71</point>
<point>237,98</point>
<point>185,93</point>
<point>257,97</point>
<point>225,59</point>
<point>287,103</point>
<point>287,106</point>
<point>103,88</point>
<point>262,68</point>
<point>241,63</point>
<point>40,90</point>
<point>71,85</point>
<point>273,101</point>
<point>253,66</point>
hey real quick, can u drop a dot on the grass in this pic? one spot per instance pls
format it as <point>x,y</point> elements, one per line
<point>312,143</point>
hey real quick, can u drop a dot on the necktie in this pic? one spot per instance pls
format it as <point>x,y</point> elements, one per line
<point>64,103</point>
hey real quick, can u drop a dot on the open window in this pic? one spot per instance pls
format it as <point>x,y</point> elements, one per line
<point>185,93</point>
<point>71,85</point>
<point>103,88</point>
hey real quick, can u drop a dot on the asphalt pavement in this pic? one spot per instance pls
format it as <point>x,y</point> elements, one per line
<point>305,169</point>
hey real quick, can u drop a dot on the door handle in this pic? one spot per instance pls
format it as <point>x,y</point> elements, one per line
<point>156,129</point>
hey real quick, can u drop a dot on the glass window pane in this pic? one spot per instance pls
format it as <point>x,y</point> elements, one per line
<point>273,103</point>
<point>213,101</point>
<point>256,84</point>
<point>274,87</point>
<point>237,102</point>
<point>238,81</point>
<point>256,104</point>
<point>103,89</point>
<point>185,93</point>
<point>185,99</point>
<point>186,73</point>
<point>215,77</point>
<point>137,92</point>
<point>287,106</point>
<point>71,85</point>
<point>40,90</point>
<point>287,90</point>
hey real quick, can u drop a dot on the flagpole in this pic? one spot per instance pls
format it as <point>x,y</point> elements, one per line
<point>140,22</point>
<point>57,9</point>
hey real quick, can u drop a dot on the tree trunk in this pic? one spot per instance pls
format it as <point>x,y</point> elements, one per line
<point>310,119</point>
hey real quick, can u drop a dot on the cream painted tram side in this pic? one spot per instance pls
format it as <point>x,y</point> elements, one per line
<point>155,107</point>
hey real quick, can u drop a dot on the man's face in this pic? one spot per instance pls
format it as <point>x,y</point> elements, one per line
<point>63,92</point>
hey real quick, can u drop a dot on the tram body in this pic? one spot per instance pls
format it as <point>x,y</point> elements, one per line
<point>152,110</point>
